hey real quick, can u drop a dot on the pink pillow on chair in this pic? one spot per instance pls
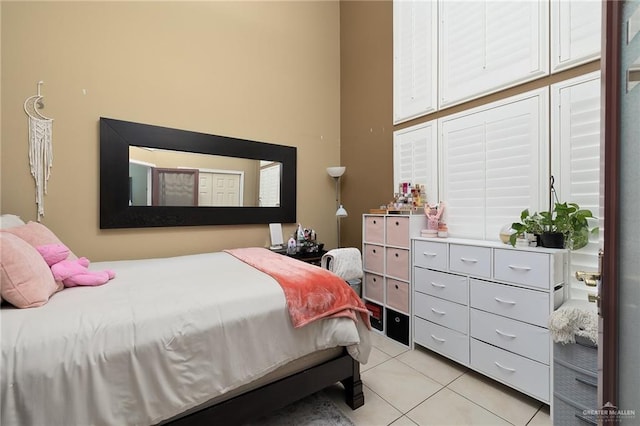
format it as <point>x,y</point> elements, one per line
<point>26,280</point>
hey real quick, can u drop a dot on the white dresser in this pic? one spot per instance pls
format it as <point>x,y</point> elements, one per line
<point>386,252</point>
<point>486,305</point>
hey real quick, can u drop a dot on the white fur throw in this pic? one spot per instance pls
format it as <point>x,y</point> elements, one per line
<point>344,262</point>
<point>574,318</point>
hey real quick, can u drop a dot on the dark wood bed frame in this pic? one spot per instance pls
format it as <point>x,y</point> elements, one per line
<point>278,394</point>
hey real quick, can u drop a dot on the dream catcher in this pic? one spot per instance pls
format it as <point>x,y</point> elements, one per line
<point>40,146</point>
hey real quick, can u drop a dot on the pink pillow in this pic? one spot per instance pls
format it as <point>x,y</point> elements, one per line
<point>26,280</point>
<point>37,234</point>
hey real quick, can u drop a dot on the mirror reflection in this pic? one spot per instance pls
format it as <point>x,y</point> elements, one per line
<point>161,177</point>
<point>633,75</point>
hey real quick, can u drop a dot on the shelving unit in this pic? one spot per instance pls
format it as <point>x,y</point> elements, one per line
<point>386,252</point>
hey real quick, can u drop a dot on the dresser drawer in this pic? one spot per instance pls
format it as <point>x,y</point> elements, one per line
<point>575,385</point>
<point>441,284</point>
<point>584,356</point>
<point>470,260</point>
<point>442,312</point>
<point>398,295</point>
<point>522,267</point>
<point>397,231</point>
<point>374,229</point>
<point>565,413</point>
<point>429,254</point>
<point>398,263</point>
<point>374,258</point>
<point>374,287</point>
<point>525,305</point>
<point>529,376</point>
<point>524,339</point>
<point>445,341</point>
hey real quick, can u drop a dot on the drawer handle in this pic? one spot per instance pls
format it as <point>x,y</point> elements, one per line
<point>397,254</point>
<point>374,222</point>
<point>586,382</point>
<point>469,260</point>
<point>426,253</point>
<point>438,285</point>
<point>397,288</point>
<point>397,223</point>
<point>585,419</point>
<point>374,251</point>
<point>374,280</point>
<point>510,336</point>
<point>435,311</point>
<point>396,319</point>
<point>508,302</point>
<point>520,268</point>
<point>437,339</point>
<point>510,370</point>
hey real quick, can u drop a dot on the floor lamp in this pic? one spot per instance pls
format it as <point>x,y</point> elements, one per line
<point>336,173</point>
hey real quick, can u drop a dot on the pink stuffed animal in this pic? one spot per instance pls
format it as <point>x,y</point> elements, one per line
<point>71,272</point>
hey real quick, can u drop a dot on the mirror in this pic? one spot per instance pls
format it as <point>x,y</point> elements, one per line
<point>175,178</point>
<point>157,176</point>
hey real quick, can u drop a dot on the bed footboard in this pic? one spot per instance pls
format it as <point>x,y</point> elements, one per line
<point>281,393</point>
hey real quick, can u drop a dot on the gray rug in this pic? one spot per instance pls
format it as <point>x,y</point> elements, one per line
<point>314,410</point>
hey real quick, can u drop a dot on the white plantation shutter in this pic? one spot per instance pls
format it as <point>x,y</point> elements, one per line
<point>493,164</point>
<point>575,32</point>
<point>575,116</point>
<point>415,158</point>
<point>414,58</point>
<point>485,46</point>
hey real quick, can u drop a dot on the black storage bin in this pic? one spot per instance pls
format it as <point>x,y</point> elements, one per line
<point>377,315</point>
<point>398,326</point>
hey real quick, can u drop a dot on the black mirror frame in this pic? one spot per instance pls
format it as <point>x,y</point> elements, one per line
<point>115,138</point>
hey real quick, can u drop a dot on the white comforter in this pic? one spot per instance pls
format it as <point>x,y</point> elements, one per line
<point>164,336</point>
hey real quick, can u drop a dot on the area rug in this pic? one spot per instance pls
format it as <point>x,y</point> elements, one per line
<point>314,410</point>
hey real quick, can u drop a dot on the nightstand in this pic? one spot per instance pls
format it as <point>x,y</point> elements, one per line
<point>312,258</point>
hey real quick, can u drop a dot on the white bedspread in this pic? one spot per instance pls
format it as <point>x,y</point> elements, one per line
<point>164,336</point>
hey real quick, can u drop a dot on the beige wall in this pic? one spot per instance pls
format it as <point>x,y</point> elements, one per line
<point>366,72</point>
<point>266,71</point>
<point>366,79</point>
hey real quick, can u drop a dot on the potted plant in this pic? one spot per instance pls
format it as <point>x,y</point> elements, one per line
<point>530,224</point>
<point>567,226</point>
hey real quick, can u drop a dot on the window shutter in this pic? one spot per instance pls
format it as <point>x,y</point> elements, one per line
<point>486,46</point>
<point>414,56</point>
<point>415,158</point>
<point>575,32</point>
<point>492,164</point>
<point>576,155</point>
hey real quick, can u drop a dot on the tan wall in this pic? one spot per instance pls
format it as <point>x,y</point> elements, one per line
<point>366,71</point>
<point>366,79</point>
<point>266,71</point>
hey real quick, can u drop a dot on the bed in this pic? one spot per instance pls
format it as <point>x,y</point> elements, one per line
<point>197,339</point>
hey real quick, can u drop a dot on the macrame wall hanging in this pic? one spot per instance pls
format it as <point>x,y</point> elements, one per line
<point>40,146</point>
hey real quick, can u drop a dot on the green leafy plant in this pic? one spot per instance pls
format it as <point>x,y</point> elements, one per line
<point>572,222</point>
<point>567,219</point>
<point>529,224</point>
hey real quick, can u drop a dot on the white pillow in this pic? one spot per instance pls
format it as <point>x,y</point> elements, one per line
<point>10,221</point>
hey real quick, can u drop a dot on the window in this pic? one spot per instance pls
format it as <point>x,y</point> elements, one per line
<point>485,46</point>
<point>415,158</point>
<point>575,32</point>
<point>575,161</point>
<point>493,164</point>
<point>415,33</point>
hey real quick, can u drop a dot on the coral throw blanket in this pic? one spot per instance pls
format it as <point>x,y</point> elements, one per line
<point>311,292</point>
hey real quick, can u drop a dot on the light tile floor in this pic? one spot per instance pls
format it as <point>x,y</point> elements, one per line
<point>405,387</point>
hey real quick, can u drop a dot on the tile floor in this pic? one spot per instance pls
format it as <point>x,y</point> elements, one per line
<point>405,387</point>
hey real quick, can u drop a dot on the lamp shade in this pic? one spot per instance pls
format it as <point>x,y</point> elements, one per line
<point>336,171</point>
<point>341,212</point>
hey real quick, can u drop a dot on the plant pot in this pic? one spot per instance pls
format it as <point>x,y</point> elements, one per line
<point>552,240</point>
